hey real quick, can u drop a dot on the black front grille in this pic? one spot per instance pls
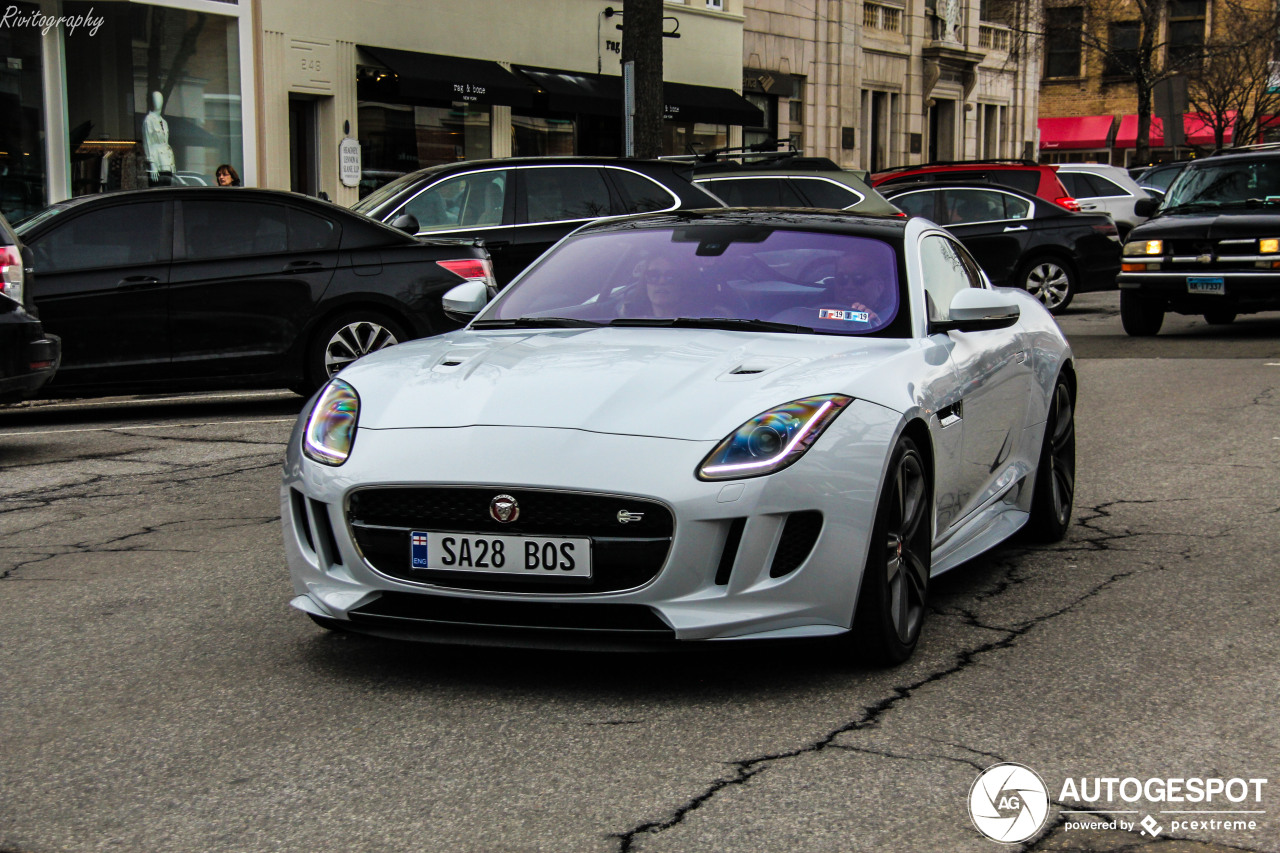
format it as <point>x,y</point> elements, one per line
<point>1190,247</point>
<point>619,618</point>
<point>630,537</point>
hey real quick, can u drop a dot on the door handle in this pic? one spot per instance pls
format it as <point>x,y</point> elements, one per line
<point>303,265</point>
<point>1009,228</point>
<point>137,281</point>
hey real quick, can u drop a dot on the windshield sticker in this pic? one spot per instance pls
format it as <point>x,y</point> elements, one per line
<point>838,314</point>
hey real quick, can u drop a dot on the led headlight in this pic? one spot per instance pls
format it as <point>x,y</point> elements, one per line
<point>1144,247</point>
<point>772,440</point>
<point>331,427</point>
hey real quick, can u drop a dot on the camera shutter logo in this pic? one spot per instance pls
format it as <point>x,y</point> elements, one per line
<point>1008,802</point>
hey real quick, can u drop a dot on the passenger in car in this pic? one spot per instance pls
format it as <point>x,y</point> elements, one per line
<point>667,290</point>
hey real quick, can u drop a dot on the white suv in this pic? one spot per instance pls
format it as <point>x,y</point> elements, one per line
<point>1104,189</point>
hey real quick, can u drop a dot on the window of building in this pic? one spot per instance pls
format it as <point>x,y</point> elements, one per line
<point>681,137</point>
<point>535,136</point>
<point>795,114</point>
<point>1122,48</point>
<point>1063,30</point>
<point>153,97</point>
<point>22,168</point>
<point>398,138</point>
<point>878,16</point>
<point>1186,33</point>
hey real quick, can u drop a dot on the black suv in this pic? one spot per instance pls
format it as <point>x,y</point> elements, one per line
<point>521,206</point>
<point>1213,246</point>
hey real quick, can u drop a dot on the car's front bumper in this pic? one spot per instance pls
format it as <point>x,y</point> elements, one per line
<point>717,580</point>
<point>1243,291</point>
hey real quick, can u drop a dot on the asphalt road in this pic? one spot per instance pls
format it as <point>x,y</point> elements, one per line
<point>158,694</point>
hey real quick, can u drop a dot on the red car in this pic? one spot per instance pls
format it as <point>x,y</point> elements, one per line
<point>1022,175</point>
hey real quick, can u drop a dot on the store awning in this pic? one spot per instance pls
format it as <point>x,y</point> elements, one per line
<point>1076,132</point>
<point>601,94</point>
<point>1196,131</point>
<point>430,77</point>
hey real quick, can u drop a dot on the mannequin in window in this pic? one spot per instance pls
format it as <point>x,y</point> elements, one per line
<point>155,141</point>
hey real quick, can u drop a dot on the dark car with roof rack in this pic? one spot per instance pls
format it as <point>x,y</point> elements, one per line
<point>1026,175</point>
<point>1212,247</point>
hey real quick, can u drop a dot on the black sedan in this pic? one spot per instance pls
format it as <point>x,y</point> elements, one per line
<point>217,287</point>
<point>521,206</point>
<point>1021,240</point>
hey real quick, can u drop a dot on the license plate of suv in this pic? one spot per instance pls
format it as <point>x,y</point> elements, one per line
<point>541,556</point>
<point>1212,285</point>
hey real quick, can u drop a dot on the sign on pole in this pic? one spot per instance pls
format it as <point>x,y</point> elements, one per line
<point>629,109</point>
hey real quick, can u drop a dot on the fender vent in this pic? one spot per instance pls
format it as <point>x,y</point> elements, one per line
<point>798,537</point>
<point>746,371</point>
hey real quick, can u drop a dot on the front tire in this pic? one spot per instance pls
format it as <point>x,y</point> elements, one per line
<point>895,581</point>
<point>347,337</point>
<point>1051,281</point>
<point>1055,487</point>
<point>1141,316</point>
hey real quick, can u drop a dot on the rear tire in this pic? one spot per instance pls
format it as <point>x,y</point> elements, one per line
<point>895,581</point>
<point>1141,316</point>
<point>1055,487</point>
<point>348,336</point>
<point>1220,317</point>
<point>1051,281</point>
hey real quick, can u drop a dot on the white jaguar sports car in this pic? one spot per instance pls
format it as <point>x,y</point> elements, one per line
<point>704,426</point>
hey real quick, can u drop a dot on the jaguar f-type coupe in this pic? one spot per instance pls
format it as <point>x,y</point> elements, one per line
<point>717,425</point>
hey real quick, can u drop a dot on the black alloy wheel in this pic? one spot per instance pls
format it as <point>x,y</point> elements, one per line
<point>1141,316</point>
<point>346,338</point>
<point>895,582</point>
<point>1051,281</point>
<point>1055,487</point>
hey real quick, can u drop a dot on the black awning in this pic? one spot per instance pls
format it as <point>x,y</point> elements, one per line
<point>600,94</point>
<point>430,77</point>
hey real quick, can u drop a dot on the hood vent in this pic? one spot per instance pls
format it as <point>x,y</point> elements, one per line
<point>756,367</point>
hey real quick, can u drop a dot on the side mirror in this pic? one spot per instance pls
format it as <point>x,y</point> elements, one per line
<point>407,223</point>
<point>979,310</point>
<point>466,300</point>
<point>1145,206</point>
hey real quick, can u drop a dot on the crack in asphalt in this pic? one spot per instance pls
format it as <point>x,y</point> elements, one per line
<point>744,770</point>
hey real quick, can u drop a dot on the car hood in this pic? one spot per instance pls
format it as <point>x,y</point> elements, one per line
<point>1207,226</point>
<point>682,384</point>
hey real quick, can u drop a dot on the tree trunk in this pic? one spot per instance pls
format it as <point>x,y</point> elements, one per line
<point>642,44</point>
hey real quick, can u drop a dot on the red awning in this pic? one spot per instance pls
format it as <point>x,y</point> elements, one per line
<point>1076,132</point>
<point>1195,129</point>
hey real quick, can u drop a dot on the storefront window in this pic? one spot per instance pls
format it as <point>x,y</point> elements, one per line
<point>682,137</point>
<point>153,98</point>
<point>22,165</point>
<point>533,136</point>
<point>396,139</point>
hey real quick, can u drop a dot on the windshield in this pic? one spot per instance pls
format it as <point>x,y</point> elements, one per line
<point>712,275</point>
<point>1232,181</point>
<point>375,199</point>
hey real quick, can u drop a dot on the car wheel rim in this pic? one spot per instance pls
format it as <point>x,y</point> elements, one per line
<point>1049,283</point>
<point>1062,455</point>
<point>353,341</point>
<point>905,573</point>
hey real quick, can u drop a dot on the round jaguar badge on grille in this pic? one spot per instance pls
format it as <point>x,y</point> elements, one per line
<point>504,509</point>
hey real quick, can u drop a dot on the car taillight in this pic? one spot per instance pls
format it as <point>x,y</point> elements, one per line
<point>11,272</point>
<point>1069,203</point>
<point>472,269</point>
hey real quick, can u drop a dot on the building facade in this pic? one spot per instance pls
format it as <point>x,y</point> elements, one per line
<point>878,84</point>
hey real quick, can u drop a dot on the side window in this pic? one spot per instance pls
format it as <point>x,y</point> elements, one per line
<point>642,194</point>
<point>945,275</point>
<point>1102,188</point>
<point>463,201</point>
<point>917,203</point>
<point>106,238</point>
<point>311,233</point>
<point>226,229</point>
<point>1027,180</point>
<point>558,194</point>
<point>1076,184</point>
<point>961,207</point>
<point>755,192</point>
<point>823,193</point>
<point>1016,208</point>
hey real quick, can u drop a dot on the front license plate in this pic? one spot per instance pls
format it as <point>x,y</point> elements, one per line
<point>1206,284</point>
<point>501,555</point>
